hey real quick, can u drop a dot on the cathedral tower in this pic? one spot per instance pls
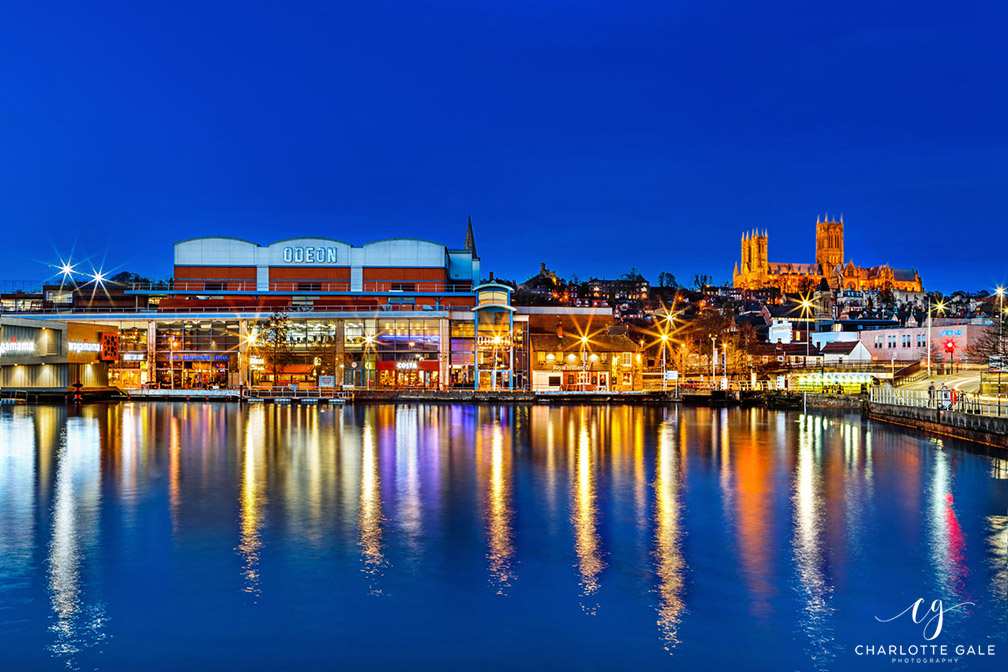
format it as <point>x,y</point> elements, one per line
<point>829,244</point>
<point>753,269</point>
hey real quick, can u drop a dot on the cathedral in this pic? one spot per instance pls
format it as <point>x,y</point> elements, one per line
<point>756,272</point>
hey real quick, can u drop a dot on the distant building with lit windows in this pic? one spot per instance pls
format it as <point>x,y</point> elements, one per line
<point>754,270</point>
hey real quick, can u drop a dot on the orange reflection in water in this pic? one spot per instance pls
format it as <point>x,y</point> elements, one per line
<point>252,499</point>
<point>587,543</point>
<point>498,511</point>
<point>668,552</point>
<point>754,523</point>
<point>369,512</point>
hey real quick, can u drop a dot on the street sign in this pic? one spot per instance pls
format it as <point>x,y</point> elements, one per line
<point>327,381</point>
<point>996,364</point>
<point>671,375</point>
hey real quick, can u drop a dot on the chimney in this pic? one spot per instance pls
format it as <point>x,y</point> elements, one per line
<point>542,268</point>
<point>491,276</point>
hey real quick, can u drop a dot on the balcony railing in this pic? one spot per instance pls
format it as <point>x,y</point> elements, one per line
<point>298,286</point>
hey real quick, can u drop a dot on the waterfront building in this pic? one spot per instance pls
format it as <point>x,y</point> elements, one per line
<point>755,271</point>
<point>601,362</point>
<point>53,356</point>
<point>950,341</point>
<point>399,313</point>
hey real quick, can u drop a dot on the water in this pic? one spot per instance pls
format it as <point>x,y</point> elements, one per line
<point>166,536</point>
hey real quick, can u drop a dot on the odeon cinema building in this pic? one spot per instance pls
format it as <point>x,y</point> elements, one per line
<point>399,313</point>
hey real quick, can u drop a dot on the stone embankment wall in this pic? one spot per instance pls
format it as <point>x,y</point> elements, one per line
<point>980,428</point>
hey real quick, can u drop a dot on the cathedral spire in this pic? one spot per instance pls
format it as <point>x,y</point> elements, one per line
<point>470,240</point>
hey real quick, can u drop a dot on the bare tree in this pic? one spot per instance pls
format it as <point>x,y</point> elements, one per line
<point>701,280</point>
<point>992,341</point>
<point>666,279</point>
<point>273,344</point>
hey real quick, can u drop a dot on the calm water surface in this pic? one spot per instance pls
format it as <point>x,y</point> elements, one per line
<point>166,536</point>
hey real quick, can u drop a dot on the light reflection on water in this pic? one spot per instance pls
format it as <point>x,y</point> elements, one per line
<point>498,508</point>
<point>370,512</point>
<point>252,499</point>
<point>814,585</point>
<point>78,620</point>
<point>585,517</point>
<point>670,529</point>
<point>670,564</point>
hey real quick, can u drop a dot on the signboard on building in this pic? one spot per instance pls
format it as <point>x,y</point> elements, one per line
<point>309,255</point>
<point>200,358</point>
<point>16,347</point>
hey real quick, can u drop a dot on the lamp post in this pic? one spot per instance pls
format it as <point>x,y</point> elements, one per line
<point>664,342</point>
<point>713,358</point>
<point>929,336</point>
<point>368,341</point>
<point>806,306</point>
<point>941,309</point>
<point>493,374</point>
<point>584,363</point>
<point>1000,349</point>
<point>171,361</point>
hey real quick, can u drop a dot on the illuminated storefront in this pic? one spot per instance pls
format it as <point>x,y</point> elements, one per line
<point>494,337</point>
<point>48,355</point>
<point>584,363</point>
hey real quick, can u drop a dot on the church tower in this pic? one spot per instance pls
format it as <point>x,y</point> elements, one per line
<point>753,269</point>
<point>829,244</point>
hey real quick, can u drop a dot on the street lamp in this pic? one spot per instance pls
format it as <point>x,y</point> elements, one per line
<point>493,373</point>
<point>368,341</point>
<point>806,307</point>
<point>171,361</point>
<point>1000,349</point>
<point>584,362</point>
<point>664,342</point>
<point>940,307</point>
<point>713,359</point>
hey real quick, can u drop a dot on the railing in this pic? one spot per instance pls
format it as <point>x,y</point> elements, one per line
<point>283,392</point>
<point>13,396</point>
<point>298,286</point>
<point>252,308</point>
<point>994,405</point>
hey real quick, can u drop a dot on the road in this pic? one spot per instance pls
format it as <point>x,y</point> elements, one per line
<point>967,381</point>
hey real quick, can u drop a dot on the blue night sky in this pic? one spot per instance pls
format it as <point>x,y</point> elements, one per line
<point>593,136</point>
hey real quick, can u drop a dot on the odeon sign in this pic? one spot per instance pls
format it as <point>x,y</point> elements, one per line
<point>309,255</point>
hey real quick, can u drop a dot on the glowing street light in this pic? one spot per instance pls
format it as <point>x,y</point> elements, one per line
<point>1000,349</point>
<point>940,307</point>
<point>806,306</point>
<point>368,345</point>
<point>664,342</point>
